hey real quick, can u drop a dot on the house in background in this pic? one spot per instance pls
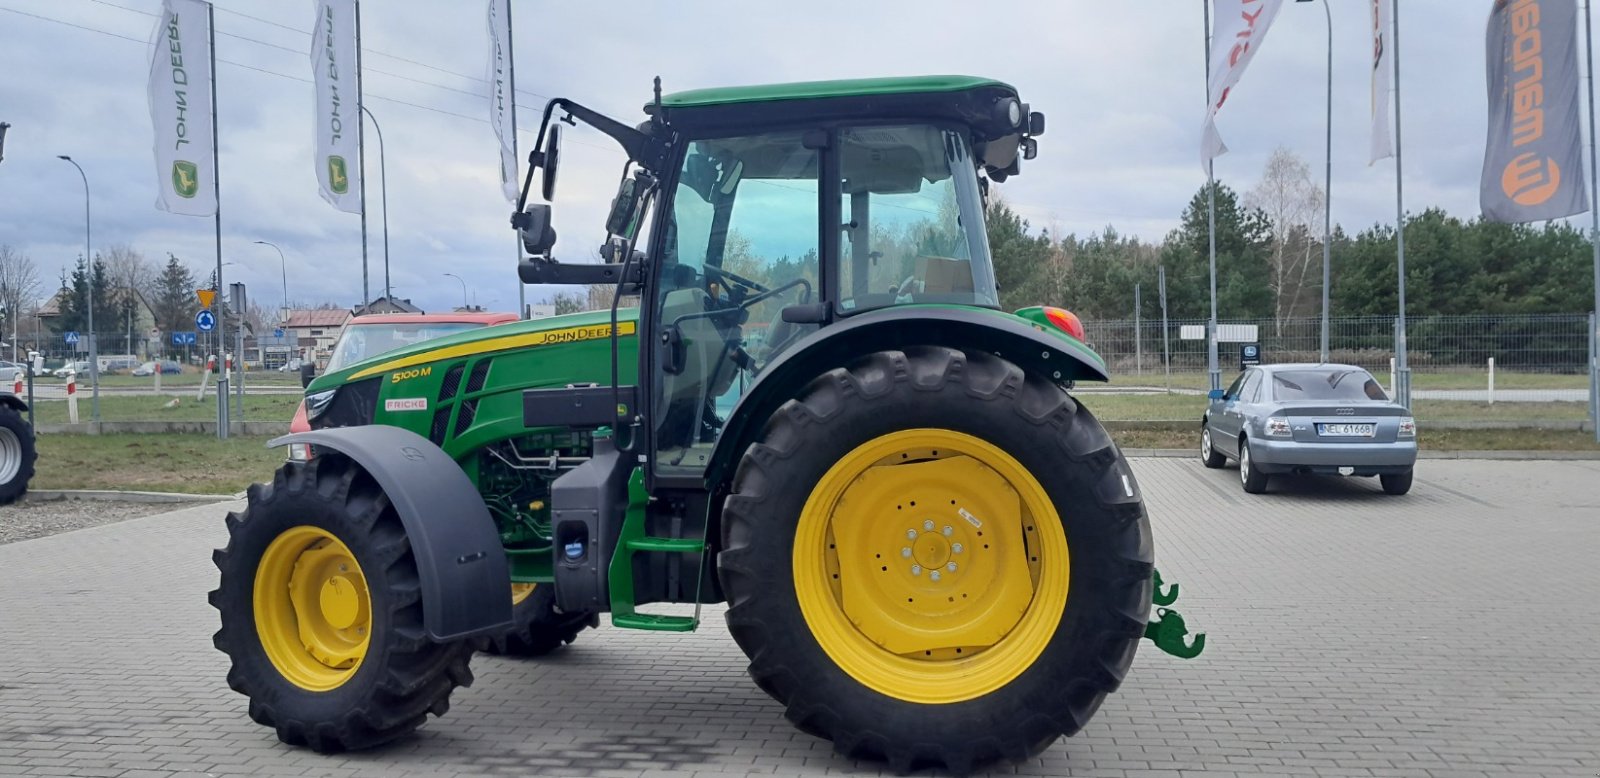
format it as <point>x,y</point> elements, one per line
<point>314,331</point>
<point>132,333</point>
<point>386,305</point>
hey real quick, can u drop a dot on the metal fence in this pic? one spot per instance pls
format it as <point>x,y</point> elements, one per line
<point>1530,358</point>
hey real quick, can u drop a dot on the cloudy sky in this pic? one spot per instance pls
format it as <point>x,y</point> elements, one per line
<point>1121,82</point>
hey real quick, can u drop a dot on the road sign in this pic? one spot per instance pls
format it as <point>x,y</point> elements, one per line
<point>206,297</point>
<point>1249,354</point>
<point>205,320</point>
<point>277,333</point>
<point>71,338</point>
<point>183,339</point>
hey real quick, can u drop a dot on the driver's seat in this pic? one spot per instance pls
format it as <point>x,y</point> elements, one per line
<point>708,372</point>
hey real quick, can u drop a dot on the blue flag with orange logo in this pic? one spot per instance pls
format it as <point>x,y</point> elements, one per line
<point>1533,166</point>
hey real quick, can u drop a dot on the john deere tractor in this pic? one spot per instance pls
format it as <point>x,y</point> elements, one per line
<point>816,412</point>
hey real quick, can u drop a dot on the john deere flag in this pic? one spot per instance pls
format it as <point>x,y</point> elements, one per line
<point>502,100</point>
<point>1533,166</point>
<point>180,109</point>
<point>1236,35</point>
<point>1382,79</point>
<point>334,64</point>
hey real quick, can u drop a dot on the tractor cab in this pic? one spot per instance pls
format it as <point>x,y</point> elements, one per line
<point>777,211</point>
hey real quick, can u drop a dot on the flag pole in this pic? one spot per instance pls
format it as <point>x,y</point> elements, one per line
<point>1594,230</point>
<point>1211,231</point>
<point>1402,377</point>
<point>361,165</point>
<point>216,191</point>
<point>511,78</point>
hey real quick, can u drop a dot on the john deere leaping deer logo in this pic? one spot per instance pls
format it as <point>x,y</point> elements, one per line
<point>338,176</point>
<point>185,178</point>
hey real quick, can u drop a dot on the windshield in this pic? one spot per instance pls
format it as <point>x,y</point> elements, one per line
<point>1336,384</point>
<point>359,341</point>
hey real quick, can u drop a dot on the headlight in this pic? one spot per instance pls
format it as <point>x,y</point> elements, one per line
<point>1279,426</point>
<point>1408,427</point>
<point>319,402</point>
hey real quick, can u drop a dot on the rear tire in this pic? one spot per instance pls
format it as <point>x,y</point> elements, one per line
<point>1209,455</point>
<point>17,455</point>
<point>1397,484</point>
<point>979,403</point>
<point>1252,479</point>
<point>538,629</point>
<point>388,682</point>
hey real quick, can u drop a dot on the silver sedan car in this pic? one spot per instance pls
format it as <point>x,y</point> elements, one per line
<point>1326,418</point>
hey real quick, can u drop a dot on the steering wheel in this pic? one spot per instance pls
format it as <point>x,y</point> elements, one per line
<point>728,275</point>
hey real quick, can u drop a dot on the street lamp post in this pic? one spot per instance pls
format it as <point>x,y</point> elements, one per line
<point>464,305</point>
<point>283,267</point>
<point>94,351</point>
<point>383,169</point>
<point>1327,186</point>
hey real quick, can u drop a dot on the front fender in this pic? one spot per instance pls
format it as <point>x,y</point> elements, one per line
<point>461,566</point>
<point>13,402</point>
<point>1034,349</point>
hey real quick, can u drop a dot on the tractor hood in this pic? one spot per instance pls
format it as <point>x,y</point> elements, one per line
<point>550,331</point>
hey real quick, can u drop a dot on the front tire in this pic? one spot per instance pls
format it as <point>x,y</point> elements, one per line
<point>538,629</point>
<point>1001,625</point>
<point>1398,483</point>
<point>17,455</point>
<point>1209,455</point>
<point>322,613</point>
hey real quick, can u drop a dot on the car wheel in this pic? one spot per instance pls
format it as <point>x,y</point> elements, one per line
<point>1396,484</point>
<point>1254,481</point>
<point>1209,455</point>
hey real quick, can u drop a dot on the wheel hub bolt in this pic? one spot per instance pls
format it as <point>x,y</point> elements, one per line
<point>934,575</point>
<point>955,548</point>
<point>928,525</point>
<point>916,569</point>
<point>911,534</point>
<point>948,530</point>
<point>951,567</point>
<point>905,552</point>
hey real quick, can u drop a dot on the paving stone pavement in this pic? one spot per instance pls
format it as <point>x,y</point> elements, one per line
<point>1446,633</point>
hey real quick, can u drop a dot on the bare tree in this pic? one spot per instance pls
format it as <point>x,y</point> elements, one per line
<point>19,289</point>
<point>1291,201</point>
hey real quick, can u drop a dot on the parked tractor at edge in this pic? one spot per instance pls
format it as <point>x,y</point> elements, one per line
<point>816,413</point>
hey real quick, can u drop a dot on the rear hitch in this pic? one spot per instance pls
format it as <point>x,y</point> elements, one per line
<point>1168,630</point>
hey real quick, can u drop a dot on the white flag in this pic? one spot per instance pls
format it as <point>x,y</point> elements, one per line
<point>338,110</point>
<point>1382,79</point>
<point>1237,34</point>
<point>180,109</point>
<point>502,100</point>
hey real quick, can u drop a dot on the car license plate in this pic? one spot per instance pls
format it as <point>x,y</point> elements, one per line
<point>1345,430</point>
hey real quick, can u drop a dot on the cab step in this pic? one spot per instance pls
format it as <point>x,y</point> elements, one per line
<point>667,545</point>
<point>654,622</point>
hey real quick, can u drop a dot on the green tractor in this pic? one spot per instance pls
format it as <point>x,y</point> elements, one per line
<point>816,413</point>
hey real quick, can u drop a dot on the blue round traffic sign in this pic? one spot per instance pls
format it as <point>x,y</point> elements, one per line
<point>205,320</point>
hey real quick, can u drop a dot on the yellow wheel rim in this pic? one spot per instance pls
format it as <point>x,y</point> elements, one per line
<point>931,566</point>
<point>313,610</point>
<point>520,592</point>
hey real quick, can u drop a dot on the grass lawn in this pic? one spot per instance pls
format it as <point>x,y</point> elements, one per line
<point>1186,436</point>
<point>1182,407</point>
<point>152,407</point>
<point>191,379</point>
<point>198,464</point>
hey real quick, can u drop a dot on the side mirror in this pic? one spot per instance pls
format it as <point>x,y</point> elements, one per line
<point>308,371</point>
<point>621,220</point>
<point>1217,394</point>
<point>552,159</point>
<point>538,237</point>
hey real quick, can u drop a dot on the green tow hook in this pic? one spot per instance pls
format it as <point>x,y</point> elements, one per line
<point>1168,630</point>
<point>1167,598</point>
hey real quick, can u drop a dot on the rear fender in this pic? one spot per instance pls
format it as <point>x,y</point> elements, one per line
<point>1048,353</point>
<point>461,565</point>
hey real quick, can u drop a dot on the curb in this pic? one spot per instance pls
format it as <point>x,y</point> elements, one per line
<point>111,495</point>
<point>1168,453</point>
